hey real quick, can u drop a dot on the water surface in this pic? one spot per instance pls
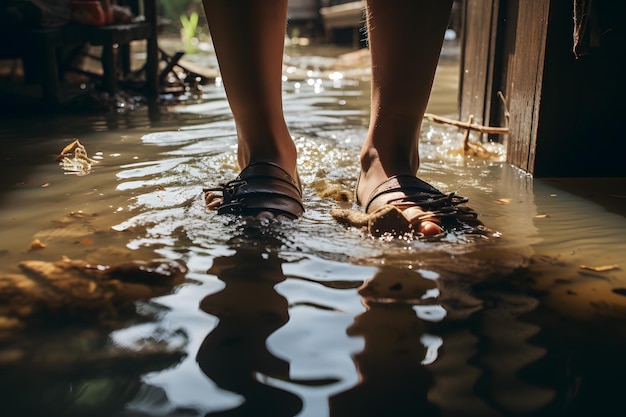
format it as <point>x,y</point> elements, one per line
<point>311,318</point>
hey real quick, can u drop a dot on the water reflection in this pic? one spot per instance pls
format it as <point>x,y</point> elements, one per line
<point>76,371</point>
<point>238,357</point>
<point>434,341</point>
<point>234,355</point>
<point>321,319</point>
<point>393,380</point>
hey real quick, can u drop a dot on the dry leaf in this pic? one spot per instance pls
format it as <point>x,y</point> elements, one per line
<point>69,149</point>
<point>602,268</point>
<point>74,160</point>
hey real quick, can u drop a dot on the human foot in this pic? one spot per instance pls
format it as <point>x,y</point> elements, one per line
<point>405,203</point>
<point>262,190</point>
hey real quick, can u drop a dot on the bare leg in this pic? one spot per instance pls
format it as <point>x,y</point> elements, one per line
<point>249,36</point>
<point>405,38</point>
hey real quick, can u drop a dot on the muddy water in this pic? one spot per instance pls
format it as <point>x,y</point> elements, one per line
<point>312,318</point>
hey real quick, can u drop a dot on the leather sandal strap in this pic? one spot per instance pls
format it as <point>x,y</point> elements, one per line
<point>262,186</point>
<point>417,192</point>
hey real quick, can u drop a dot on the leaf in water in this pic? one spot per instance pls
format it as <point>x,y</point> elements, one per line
<point>80,164</point>
<point>68,149</point>
<point>503,201</point>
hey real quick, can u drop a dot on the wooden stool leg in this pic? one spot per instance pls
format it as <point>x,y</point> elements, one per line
<point>124,53</point>
<point>109,68</point>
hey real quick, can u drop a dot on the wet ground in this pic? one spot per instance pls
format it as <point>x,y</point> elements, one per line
<point>310,318</point>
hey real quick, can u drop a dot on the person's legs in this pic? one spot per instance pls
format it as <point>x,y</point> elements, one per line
<point>249,36</point>
<point>405,39</point>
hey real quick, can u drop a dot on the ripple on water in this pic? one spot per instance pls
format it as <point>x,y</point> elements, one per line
<point>312,313</point>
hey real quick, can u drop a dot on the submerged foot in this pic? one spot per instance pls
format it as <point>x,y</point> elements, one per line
<point>405,204</point>
<point>375,195</point>
<point>263,190</point>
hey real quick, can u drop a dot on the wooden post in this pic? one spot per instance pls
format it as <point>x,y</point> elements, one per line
<point>152,51</point>
<point>523,81</point>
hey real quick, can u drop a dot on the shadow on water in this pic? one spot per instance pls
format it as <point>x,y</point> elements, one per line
<point>308,318</point>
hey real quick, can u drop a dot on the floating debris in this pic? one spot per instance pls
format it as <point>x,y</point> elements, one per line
<point>602,268</point>
<point>37,244</point>
<point>335,192</point>
<point>471,148</point>
<point>390,221</point>
<point>74,160</point>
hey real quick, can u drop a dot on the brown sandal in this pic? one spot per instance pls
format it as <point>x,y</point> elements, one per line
<point>262,186</point>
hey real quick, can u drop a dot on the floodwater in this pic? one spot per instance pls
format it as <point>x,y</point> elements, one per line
<point>310,318</point>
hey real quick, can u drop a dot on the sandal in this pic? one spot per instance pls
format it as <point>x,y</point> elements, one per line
<point>262,186</point>
<point>437,206</point>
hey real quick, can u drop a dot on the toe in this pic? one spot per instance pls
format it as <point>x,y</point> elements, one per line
<point>424,222</point>
<point>429,228</point>
<point>212,200</point>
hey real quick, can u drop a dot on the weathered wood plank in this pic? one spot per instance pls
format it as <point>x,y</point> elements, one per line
<point>476,58</point>
<point>525,82</point>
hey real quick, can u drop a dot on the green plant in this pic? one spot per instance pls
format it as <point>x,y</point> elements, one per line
<point>189,31</point>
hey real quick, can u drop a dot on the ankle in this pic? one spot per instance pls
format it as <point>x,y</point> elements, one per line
<point>388,163</point>
<point>281,152</point>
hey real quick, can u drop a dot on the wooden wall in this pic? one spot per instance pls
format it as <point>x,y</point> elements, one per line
<point>567,114</point>
<point>479,30</point>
